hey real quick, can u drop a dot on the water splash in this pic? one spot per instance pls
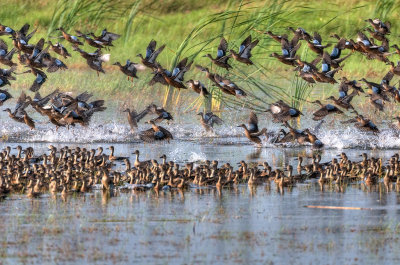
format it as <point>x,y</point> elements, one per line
<point>119,132</point>
<point>353,138</point>
<point>197,157</point>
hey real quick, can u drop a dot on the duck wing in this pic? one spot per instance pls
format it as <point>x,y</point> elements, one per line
<point>286,139</point>
<point>158,78</point>
<point>216,120</point>
<point>315,61</point>
<point>253,122</point>
<point>294,42</point>
<point>3,46</point>
<point>294,50</point>
<point>244,44</point>
<point>96,104</point>
<point>109,36</point>
<point>183,71</point>
<point>247,51</point>
<point>132,120</point>
<point>147,135</point>
<point>28,121</point>
<point>388,25</point>
<point>85,96</point>
<point>43,101</point>
<point>20,101</point>
<point>150,135</point>
<point>95,64</point>
<point>178,68</point>
<point>343,86</point>
<point>37,49</point>
<point>56,64</point>
<point>320,114</point>
<point>256,134</point>
<point>212,119</point>
<point>150,49</point>
<point>154,55</point>
<point>29,36</point>
<point>167,133</point>
<point>4,95</point>
<point>132,68</point>
<point>317,37</point>
<point>24,29</point>
<point>223,46</point>
<point>353,120</point>
<point>201,68</point>
<point>387,78</point>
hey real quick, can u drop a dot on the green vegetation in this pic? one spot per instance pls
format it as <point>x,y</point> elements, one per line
<point>193,28</point>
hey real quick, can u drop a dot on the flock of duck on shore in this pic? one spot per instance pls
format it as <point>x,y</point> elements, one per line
<point>64,110</point>
<point>67,170</point>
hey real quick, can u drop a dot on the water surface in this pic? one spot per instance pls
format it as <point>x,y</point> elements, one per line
<point>202,226</point>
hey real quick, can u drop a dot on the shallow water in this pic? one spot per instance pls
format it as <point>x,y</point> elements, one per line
<point>112,127</point>
<point>201,226</point>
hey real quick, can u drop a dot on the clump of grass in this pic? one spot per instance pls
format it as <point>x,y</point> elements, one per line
<point>384,7</point>
<point>129,21</point>
<point>88,13</point>
<point>235,25</point>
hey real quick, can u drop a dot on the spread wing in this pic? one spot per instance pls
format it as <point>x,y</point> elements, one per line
<point>253,122</point>
<point>223,46</point>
